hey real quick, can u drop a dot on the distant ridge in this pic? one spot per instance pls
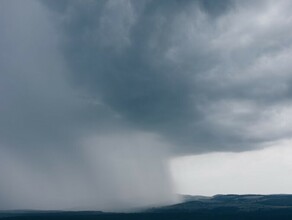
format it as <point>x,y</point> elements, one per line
<point>228,207</point>
<point>243,203</point>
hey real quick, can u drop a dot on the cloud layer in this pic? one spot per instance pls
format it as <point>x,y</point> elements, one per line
<point>205,76</point>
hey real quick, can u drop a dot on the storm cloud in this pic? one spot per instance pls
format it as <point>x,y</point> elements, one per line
<point>97,95</point>
<point>204,75</point>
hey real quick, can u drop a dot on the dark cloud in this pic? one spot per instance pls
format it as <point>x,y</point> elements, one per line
<point>173,67</point>
<point>215,8</point>
<point>120,56</point>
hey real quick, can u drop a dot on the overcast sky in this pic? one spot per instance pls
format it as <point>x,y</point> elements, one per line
<point>102,103</point>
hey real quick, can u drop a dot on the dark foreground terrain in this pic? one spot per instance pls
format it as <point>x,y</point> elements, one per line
<point>194,207</point>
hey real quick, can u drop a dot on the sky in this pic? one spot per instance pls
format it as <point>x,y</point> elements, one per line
<point>117,104</point>
<point>264,171</point>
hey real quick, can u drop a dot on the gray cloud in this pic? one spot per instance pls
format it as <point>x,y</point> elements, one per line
<point>182,68</point>
<point>96,95</point>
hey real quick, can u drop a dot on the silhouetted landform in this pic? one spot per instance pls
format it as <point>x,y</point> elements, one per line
<point>235,207</point>
<point>242,203</point>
